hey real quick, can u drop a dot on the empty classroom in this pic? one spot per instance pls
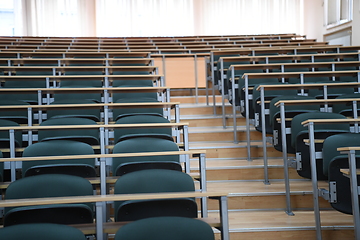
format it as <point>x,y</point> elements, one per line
<point>179,119</point>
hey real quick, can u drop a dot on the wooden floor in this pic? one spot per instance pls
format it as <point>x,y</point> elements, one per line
<point>256,210</point>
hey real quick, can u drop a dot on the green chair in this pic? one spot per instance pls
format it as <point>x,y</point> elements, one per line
<point>31,98</point>
<point>1,168</point>
<point>89,136</point>
<point>252,83</point>
<point>123,133</point>
<point>4,135</point>
<point>346,109</point>
<point>321,131</point>
<point>290,112</point>
<point>91,113</point>
<point>41,231</point>
<point>44,186</point>
<point>333,161</point>
<point>123,165</point>
<point>96,97</point>
<point>268,95</point>
<point>165,228</point>
<point>120,112</point>
<point>331,92</point>
<point>154,181</point>
<point>19,116</point>
<point>128,96</point>
<point>78,167</point>
<point>240,83</point>
<point>132,83</point>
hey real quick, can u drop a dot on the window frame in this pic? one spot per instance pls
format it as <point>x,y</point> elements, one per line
<point>338,10</point>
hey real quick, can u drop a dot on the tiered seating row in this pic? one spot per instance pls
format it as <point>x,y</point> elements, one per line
<point>105,158</point>
<point>220,61</point>
<point>261,84</point>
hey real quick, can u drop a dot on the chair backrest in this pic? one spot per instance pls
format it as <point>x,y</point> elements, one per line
<point>333,162</point>
<point>89,136</point>
<point>154,181</point>
<point>331,92</point>
<point>129,96</point>
<point>91,113</point>
<point>80,167</point>
<point>41,231</point>
<point>1,168</point>
<point>79,95</point>
<point>49,185</point>
<point>333,142</point>
<point>132,83</point>
<point>269,94</point>
<point>165,228</point>
<point>297,128</point>
<point>121,133</point>
<point>19,116</point>
<point>4,135</point>
<point>295,109</point>
<point>119,112</point>
<point>346,109</point>
<point>123,165</point>
<point>26,97</point>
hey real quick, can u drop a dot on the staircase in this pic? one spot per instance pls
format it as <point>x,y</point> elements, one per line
<point>256,210</point>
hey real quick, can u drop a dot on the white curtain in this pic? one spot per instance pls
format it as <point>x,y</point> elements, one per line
<point>131,18</point>
<point>63,18</point>
<point>226,17</point>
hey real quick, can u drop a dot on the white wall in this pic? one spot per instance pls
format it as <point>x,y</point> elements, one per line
<point>313,19</point>
<point>314,27</point>
<point>355,23</point>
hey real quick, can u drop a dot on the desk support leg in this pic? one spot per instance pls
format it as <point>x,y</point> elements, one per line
<point>213,82</point>
<point>186,148</point>
<point>355,193</point>
<point>224,218</point>
<point>233,105</point>
<point>263,132</point>
<point>314,181</point>
<point>222,94</point>
<point>196,80</point>
<point>355,112</point>
<point>99,221</point>
<point>247,117</point>
<point>285,159</point>
<point>12,155</point>
<point>203,186</point>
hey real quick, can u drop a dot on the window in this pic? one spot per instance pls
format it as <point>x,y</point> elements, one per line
<point>338,12</point>
<point>7,25</point>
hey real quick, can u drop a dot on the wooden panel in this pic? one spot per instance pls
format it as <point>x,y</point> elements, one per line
<point>180,71</point>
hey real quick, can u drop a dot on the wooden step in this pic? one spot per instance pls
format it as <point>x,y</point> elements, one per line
<point>191,92</point>
<point>216,133</point>
<point>210,120</point>
<point>255,195</point>
<point>274,225</point>
<point>197,109</point>
<point>233,150</point>
<point>249,174</point>
<point>256,210</point>
<point>193,99</point>
<point>246,170</point>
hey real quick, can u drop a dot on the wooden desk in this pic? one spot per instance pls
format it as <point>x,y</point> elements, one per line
<point>103,128</point>
<point>120,54</point>
<point>63,69</point>
<point>68,61</point>
<point>310,124</point>
<point>101,201</point>
<point>353,172</point>
<point>103,180</point>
